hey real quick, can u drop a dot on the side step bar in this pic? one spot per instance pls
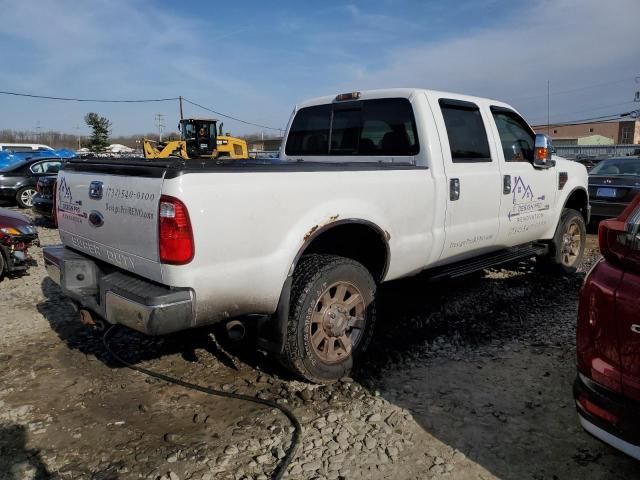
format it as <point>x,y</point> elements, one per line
<point>476,264</point>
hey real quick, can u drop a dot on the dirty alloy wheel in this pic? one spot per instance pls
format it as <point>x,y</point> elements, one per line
<point>567,247</point>
<point>24,197</point>
<point>331,317</point>
<point>571,244</point>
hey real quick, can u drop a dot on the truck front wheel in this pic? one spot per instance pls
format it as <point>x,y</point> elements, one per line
<point>567,246</point>
<point>331,317</point>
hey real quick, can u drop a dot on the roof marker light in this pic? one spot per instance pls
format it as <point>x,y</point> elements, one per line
<point>347,96</point>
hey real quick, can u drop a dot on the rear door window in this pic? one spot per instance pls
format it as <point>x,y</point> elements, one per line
<point>466,132</point>
<point>381,127</point>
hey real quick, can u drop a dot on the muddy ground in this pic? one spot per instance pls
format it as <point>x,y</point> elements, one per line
<point>464,380</point>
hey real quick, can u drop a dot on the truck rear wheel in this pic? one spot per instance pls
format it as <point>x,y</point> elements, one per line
<point>331,317</point>
<point>567,246</point>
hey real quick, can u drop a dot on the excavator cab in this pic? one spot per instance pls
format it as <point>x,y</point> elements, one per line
<point>200,136</point>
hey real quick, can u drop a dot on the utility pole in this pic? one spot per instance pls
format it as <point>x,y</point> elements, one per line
<point>38,133</point>
<point>548,103</point>
<point>181,117</point>
<point>160,124</point>
<point>79,141</point>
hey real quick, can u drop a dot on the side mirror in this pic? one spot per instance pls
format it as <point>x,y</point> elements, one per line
<point>542,151</point>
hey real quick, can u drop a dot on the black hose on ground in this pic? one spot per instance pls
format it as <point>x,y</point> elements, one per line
<point>297,432</point>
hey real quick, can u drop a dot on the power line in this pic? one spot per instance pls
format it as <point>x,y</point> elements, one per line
<point>591,109</point>
<point>573,90</point>
<point>231,117</point>
<point>603,118</point>
<point>97,100</point>
<point>146,100</point>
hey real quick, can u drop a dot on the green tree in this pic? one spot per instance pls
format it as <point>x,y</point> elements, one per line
<point>100,130</point>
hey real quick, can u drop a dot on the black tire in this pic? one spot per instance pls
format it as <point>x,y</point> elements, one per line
<point>1,266</point>
<point>24,197</point>
<point>315,277</point>
<point>561,257</point>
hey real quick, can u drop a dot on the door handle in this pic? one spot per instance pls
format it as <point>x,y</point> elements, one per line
<point>506,184</point>
<point>454,189</point>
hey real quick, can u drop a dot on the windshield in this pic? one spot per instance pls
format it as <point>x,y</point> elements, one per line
<point>617,166</point>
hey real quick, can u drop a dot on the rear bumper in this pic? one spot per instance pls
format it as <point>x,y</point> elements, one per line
<point>42,206</point>
<point>600,210</point>
<point>624,433</point>
<point>118,296</point>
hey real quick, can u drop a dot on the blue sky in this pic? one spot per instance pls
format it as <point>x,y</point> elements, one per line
<point>255,60</point>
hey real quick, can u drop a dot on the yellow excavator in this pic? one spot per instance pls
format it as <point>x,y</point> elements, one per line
<point>200,138</point>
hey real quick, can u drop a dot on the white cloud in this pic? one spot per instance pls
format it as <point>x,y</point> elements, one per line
<point>258,67</point>
<point>569,42</point>
<point>120,49</point>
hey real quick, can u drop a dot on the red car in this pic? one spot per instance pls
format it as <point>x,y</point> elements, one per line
<point>17,235</point>
<point>607,388</point>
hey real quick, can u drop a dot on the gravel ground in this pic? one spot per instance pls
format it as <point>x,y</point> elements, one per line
<point>464,380</point>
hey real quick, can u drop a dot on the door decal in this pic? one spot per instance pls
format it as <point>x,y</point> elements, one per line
<point>524,199</point>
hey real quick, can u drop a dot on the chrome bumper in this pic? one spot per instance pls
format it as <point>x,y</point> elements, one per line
<point>118,296</point>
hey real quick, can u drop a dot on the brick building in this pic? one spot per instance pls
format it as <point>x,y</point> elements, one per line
<point>620,132</point>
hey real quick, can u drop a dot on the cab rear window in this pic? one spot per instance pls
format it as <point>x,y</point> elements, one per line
<point>382,127</point>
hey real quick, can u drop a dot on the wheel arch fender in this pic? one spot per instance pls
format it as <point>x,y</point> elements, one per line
<point>313,243</point>
<point>322,238</point>
<point>576,198</point>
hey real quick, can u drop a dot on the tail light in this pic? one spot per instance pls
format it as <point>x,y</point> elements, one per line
<point>619,238</point>
<point>175,235</point>
<point>596,333</point>
<point>54,202</point>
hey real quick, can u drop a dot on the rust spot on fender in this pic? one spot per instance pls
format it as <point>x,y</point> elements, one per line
<point>310,232</point>
<point>331,219</point>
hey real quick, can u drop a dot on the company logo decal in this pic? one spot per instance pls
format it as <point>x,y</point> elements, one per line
<point>524,199</point>
<point>68,208</point>
<point>64,192</point>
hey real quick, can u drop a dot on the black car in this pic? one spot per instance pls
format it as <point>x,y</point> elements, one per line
<point>18,180</point>
<point>43,201</point>
<point>588,162</point>
<point>613,184</point>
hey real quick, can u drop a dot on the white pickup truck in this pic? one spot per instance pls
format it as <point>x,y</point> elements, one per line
<point>369,187</point>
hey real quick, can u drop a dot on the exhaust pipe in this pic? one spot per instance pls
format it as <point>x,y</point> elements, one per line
<point>235,330</point>
<point>87,318</point>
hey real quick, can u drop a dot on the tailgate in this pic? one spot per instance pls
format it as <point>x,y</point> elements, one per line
<point>112,216</point>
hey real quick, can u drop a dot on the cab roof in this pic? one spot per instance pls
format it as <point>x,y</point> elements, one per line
<point>397,93</point>
<point>197,119</point>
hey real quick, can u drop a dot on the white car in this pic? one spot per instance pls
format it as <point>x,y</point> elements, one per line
<point>24,147</point>
<point>370,187</point>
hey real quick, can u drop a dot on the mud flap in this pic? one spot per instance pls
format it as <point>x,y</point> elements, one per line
<point>272,329</point>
